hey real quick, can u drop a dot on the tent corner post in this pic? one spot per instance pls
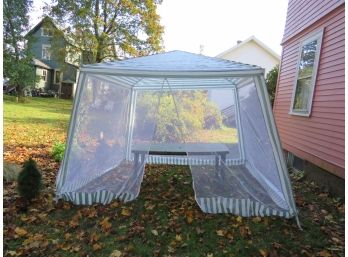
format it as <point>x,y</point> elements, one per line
<point>298,222</point>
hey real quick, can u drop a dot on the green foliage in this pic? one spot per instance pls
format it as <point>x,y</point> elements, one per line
<point>179,114</point>
<point>29,180</point>
<point>107,29</point>
<point>17,58</point>
<point>271,82</point>
<point>58,151</point>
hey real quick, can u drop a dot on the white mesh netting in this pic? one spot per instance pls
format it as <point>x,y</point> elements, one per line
<point>216,126</point>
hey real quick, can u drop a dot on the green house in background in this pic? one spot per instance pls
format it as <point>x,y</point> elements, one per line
<point>55,72</point>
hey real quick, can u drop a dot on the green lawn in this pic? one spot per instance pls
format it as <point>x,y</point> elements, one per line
<point>163,221</point>
<point>37,121</point>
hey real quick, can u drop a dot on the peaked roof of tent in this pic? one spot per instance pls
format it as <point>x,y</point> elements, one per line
<point>176,61</point>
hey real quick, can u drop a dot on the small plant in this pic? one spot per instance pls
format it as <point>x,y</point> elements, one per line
<point>29,181</point>
<point>58,151</point>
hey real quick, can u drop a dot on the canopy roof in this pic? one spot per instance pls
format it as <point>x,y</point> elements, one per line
<point>179,69</point>
<point>176,62</point>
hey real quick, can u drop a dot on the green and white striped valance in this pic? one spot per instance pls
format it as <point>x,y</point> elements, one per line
<point>103,197</point>
<point>186,160</point>
<point>241,207</point>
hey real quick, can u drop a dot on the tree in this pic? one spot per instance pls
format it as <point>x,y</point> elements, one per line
<point>108,29</point>
<point>271,82</point>
<point>17,58</point>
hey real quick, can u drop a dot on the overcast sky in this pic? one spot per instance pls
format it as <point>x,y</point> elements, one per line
<point>215,25</point>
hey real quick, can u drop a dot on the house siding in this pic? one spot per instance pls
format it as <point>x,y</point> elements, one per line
<point>303,13</point>
<point>319,138</point>
<point>252,53</point>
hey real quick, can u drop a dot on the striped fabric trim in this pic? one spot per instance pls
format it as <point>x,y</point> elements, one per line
<point>103,197</point>
<point>185,160</point>
<point>241,207</point>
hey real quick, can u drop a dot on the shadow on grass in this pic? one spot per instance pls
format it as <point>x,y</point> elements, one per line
<point>47,121</point>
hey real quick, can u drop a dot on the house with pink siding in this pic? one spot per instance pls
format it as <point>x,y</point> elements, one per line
<point>309,102</point>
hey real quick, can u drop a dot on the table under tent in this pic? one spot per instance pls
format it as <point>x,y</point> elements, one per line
<point>176,108</point>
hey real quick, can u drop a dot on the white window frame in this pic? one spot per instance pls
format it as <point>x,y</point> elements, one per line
<point>44,74</point>
<point>45,46</point>
<point>317,35</point>
<point>45,32</point>
<point>60,76</point>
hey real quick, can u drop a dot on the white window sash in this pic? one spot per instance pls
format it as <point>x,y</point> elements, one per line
<point>46,52</point>
<point>317,35</point>
<point>43,30</point>
<point>55,76</point>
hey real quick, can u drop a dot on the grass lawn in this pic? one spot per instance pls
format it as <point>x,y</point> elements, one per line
<point>163,221</point>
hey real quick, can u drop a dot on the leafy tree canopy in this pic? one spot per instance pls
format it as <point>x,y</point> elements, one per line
<point>108,29</point>
<point>17,59</point>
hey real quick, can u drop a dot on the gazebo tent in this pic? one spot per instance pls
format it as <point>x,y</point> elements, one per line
<point>176,108</point>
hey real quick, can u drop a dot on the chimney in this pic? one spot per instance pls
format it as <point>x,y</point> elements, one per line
<point>239,41</point>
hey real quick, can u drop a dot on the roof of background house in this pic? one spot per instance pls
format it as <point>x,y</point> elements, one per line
<point>257,41</point>
<point>37,26</point>
<point>41,64</point>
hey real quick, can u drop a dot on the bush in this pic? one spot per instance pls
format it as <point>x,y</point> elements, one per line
<point>271,82</point>
<point>29,180</point>
<point>58,151</point>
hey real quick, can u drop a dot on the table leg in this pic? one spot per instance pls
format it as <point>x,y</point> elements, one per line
<point>142,159</point>
<point>136,160</point>
<point>217,162</point>
<point>221,169</point>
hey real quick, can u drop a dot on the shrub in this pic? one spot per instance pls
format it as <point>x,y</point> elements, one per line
<point>29,180</point>
<point>271,82</point>
<point>58,151</point>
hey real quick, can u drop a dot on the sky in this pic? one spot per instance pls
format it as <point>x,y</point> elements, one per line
<point>212,27</point>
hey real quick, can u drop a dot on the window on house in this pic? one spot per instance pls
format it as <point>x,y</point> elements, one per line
<point>306,75</point>
<point>44,75</point>
<point>57,76</point>
<point>46,52</point>
<point>46,32</point>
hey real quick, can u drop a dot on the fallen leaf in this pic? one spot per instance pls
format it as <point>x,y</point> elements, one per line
<point>263,252</point>
<point>210,255</point>
<point>74,223</point>
<point>199,230</point>
<point>20,231</point>
<point>220,232</point>
<point>324,253</point>
<point>97,247</point>
<point>154,232</point>
<point>189,217</point>
<point>67,236</point>
<point>11,253</point>
<point>105,224</point>
<point>244,231</point>
<point>94,237</point>
<point>126,212</point>
<point>116,253</point>
<point>178,238</point>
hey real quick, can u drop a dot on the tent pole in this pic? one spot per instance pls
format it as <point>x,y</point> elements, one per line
<point>239,125</point>
<point>130,124</point>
